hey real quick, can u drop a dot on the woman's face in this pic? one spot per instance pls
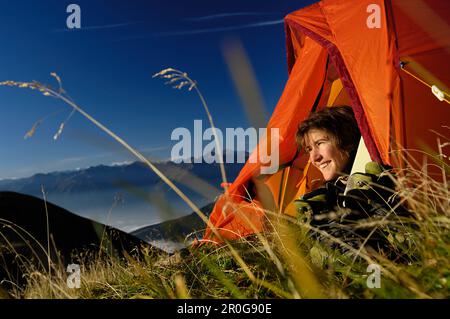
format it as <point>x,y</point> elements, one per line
<point>324,154</point>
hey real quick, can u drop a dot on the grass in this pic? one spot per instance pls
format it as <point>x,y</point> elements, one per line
<point>292,259</point>
<point>213,272</point>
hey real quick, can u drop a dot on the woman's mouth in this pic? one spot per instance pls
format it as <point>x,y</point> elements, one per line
<point>324,165</point>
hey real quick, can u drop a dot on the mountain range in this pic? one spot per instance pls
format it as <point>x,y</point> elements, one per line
<point>104,177</point>
<point>131,197</point>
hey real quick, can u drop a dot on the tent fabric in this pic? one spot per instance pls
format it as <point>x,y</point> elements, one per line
<point>302,87</point>
<point>331,44</point>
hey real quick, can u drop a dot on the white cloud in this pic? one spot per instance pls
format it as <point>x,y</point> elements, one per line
<point>227,15</point>
<point>121,163</point>
<point>220,29</point>
<point>98,27</point>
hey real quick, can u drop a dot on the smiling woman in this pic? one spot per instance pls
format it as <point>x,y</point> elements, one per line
<point>331,138</point>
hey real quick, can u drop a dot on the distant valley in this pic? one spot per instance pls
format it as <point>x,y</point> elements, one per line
<point>129,196</point>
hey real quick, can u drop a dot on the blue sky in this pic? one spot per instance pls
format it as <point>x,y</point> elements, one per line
<point>107,68</point>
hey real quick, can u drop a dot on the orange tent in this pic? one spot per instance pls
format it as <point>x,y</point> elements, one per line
<point>385,59</point>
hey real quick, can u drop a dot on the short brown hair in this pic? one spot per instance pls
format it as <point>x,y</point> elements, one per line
<point>338,121</point>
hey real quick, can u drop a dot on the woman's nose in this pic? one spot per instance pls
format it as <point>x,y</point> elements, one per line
<point>315,155</point>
